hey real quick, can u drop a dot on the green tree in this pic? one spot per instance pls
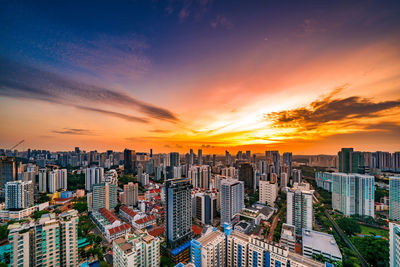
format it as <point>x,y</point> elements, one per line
<point>166,262</point>
<point>80,206</point>
<point>374,250</point>
<point>349,226</point>
<point>37,214</point>
<point>3,232</point>
<point>104,264</point>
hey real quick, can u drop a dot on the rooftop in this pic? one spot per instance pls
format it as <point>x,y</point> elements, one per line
<point>321,241</point>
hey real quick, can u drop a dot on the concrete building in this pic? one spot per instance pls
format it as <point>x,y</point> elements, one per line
<point>94,175</point>
<point>43,180</point>
<point>178,210</point>
<point>246,174</point>
<point>19,238</point>
<point>57,179</point>
<point>19,194</point>
<point>268,192</point>
<point>68,222</point>
<point>288,237</point>
<point>111,176</point>
<point>324,180</point>
<point>296,174</point>
<point>200,176</point>
<point>204,207</point>
<point>131,191</point>
<point>394,198</point>
<point>316,243</point>
<point>394,244</point>
<point>104,195</point>
<point>243,250</point>
<point>136,250</point>
<point>299,211</point>
<point>209,249</point>
<point>353,194</point>
<point>232,199</point>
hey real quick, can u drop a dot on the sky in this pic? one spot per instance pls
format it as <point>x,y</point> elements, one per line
<point>303,76</point>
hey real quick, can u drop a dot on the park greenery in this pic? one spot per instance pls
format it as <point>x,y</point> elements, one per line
<point>349,226</point>
<point>380,193</point>
<point>76,181</point>
<point>42,198</point>
<point>80,205</point>
<point>85,226</point>
<point>374,250</point>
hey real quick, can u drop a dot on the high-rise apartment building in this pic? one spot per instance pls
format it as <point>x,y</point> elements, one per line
<point>246,174</point>
<point>131,191</point>
<point>353,194</point>
<point>19,194</point>
<point>8,170</point>
<point>94,175</point>
<point>232,199</point>
<point>50,241</point>
<point>57,179</point>
<point>204,207</point>
<point>268,192</point>
<point>178,209</point>
<point>43,180</point>
<point>68,222</point>
<point>394,198</point>
<point>394,244</point>
<point>200,176</point>
<point>104,195</point>
<point>209,249</point>
<point>299,210</point>
<point>136,250</point>
<point>20,249</point>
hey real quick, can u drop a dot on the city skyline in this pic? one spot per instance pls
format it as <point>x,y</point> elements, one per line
<point>307,78</point>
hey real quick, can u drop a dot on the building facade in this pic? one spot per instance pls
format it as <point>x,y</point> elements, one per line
<point>299,210</point>
<point>178,211</point>
<point>104,195</point>
<point>394,198</point>
<point>394,244</point>
<point>232,199</point>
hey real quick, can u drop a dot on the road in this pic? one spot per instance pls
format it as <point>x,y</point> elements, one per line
<point>274,223</point>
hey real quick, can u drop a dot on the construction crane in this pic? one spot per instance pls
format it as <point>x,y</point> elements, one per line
<point>20,142</point>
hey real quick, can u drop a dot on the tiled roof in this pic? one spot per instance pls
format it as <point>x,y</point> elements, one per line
<point>122,227</point>
<point>157,232</point>
<point>108,215</point>
<point>128,211</point>
<point>197,229</point>
<point>145,219</point>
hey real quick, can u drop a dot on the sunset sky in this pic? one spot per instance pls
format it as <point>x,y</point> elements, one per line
<point>303,76</point>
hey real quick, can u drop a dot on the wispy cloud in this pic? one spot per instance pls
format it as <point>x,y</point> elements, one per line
<point>22,81</point>
<point>159,131</point>
<point>221,21</point>
<point>73,131</point>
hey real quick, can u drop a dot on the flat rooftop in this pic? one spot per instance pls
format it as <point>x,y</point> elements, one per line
<point>321,241</point>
